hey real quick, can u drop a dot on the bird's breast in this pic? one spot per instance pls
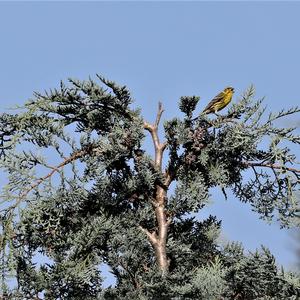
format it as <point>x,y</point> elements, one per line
<point>227,99</point>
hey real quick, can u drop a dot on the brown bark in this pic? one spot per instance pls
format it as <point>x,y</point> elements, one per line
<point>158,239</point>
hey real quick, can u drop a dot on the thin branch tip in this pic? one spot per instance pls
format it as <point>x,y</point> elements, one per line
<point>159,113</point>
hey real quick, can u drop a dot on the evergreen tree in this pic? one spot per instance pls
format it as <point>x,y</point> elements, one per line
<point>81,191</point>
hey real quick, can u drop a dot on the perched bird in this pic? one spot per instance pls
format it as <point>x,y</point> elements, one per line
<point>220,101</point>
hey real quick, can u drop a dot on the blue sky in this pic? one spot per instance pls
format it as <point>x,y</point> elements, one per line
<point>161,51</point>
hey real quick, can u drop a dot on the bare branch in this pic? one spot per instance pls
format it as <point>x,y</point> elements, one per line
<point>272,166</point>
<point>152,236</point>
<point>148,126</point>
<point>164,145</point>
<point>158,239</point>
<point>153,129</point>
<point>159,113</point>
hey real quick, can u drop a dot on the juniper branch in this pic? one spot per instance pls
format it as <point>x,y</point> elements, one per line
<point>77,155</point>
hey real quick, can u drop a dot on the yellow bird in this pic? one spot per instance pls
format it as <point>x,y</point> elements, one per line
<point>220,101</point>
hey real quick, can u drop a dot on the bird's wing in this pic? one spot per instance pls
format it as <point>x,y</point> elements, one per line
<point>216,99</point>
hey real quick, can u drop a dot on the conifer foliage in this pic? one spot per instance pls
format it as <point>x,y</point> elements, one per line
<point>80,190</point>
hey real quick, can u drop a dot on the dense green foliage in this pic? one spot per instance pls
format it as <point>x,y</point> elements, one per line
<point>82,191</point>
